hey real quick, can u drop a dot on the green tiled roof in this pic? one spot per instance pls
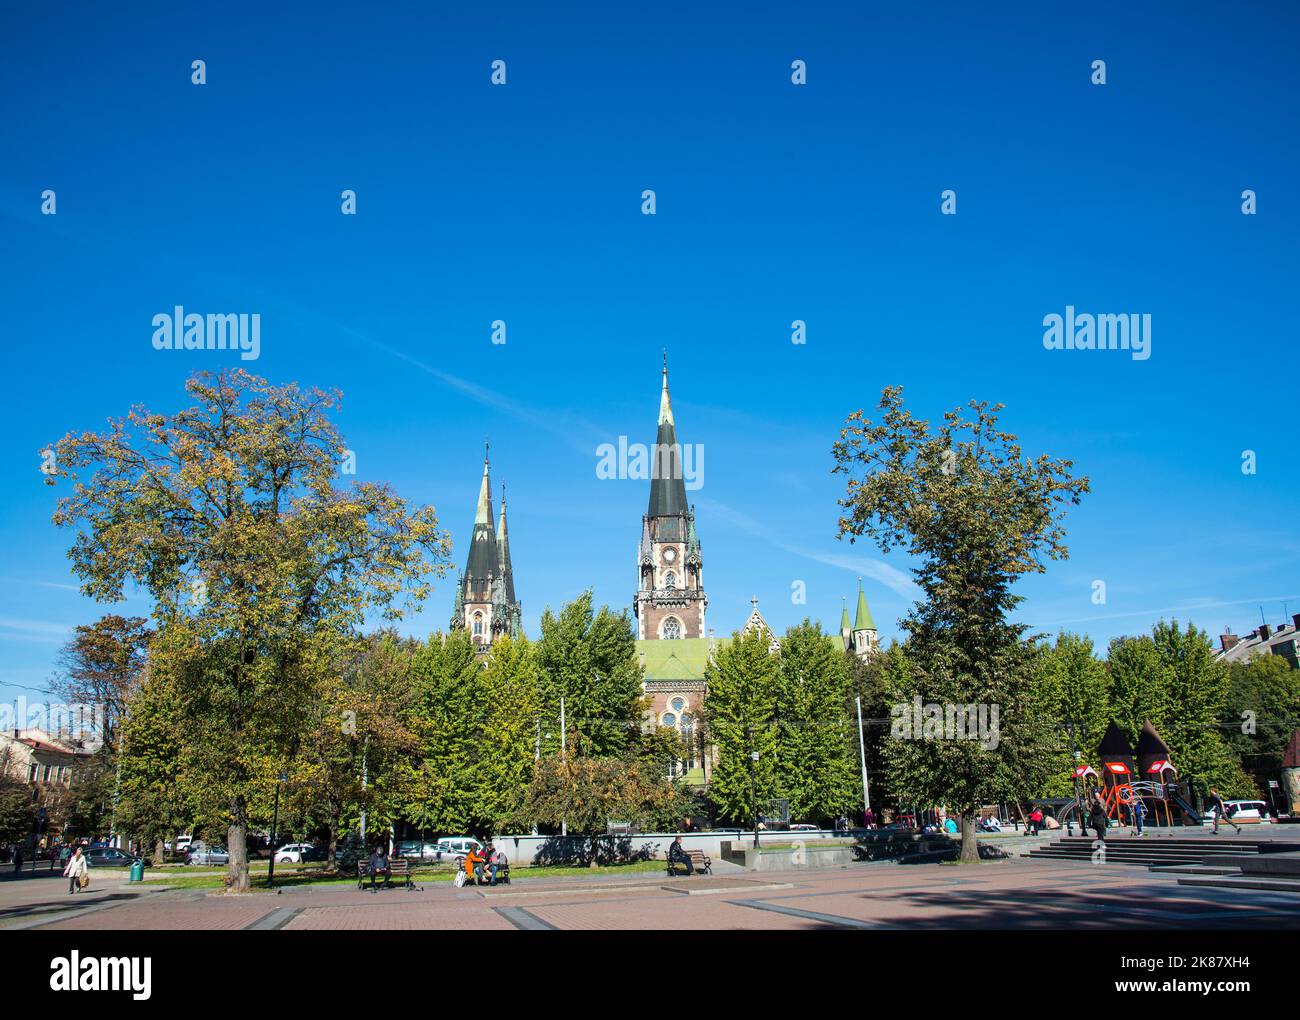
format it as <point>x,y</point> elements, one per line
<point>683,659</point>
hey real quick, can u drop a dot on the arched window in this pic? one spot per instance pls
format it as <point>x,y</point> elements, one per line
<point>478,624</point>
<point>672,628</point>
<point>670,580</point>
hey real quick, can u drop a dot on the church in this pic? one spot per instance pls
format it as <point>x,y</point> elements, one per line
<point>670,602</point>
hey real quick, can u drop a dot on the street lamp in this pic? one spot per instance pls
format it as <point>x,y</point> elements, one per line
<point>281,779</point>
<point>753,795</point>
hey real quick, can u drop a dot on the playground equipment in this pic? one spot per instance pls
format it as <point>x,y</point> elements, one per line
<point>1127,776</point>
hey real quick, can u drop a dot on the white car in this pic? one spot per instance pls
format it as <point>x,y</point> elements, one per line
<point>458,847</point>
<point>296,853</point>
<point>1249,811</point>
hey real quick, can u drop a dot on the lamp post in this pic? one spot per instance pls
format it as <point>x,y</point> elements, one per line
<point>753,793</point>
<point>1075,755</point>
<point>862,751</point>
<point>280,780</point>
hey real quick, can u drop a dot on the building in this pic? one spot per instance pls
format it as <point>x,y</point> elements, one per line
<point>49,766</point>
<point>485,602</point>
<point>1264,640</point>
<point>675,644</point>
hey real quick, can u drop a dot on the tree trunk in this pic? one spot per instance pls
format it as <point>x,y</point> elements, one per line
<point>331,862</point>
<point>237,845</point>
<point>970,851</point>
<point>159,852</point>
<point>595,851</point>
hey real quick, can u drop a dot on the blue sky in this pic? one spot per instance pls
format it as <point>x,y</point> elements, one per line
<point>775,203</point>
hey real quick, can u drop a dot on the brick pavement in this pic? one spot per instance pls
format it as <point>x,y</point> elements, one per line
<point>1020,894</point>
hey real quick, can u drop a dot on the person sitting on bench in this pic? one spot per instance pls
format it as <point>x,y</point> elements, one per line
<point>677,855</point>
<point>378,865</point>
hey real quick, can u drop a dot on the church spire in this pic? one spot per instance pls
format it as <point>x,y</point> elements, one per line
<point>667,485</point>
<point>863,620</point>
<point>483,562</point>
<point>503,552</point>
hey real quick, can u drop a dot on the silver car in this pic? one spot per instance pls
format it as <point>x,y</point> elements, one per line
<point>208,855</point>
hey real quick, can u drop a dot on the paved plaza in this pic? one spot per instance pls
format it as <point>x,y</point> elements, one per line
<point>1014,894</point>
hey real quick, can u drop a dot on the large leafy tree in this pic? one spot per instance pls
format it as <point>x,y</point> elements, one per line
<point>589,659</point>
<point>228,513</point>
<point>817,758</point>
<point>1261,712</point>
<point>102,666</point>
<point>976,514</point>
<point>17,810</point>
<point>1076,689</point>
<point>740,713</point>
<point>154,802</point>
<point>1141,686</point>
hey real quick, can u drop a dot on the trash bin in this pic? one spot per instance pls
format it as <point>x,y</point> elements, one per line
<point>137,871</point>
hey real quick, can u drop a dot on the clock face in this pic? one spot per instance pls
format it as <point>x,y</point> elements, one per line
<point>670,555</point>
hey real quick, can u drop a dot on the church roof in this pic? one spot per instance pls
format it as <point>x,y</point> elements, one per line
<point>683,659</point>
<point>483,560</point>
<point>863,620</point>
<point>667,484</point>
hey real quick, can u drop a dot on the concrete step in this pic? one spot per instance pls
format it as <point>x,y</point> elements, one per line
<point>1204,870</point>
<point>1247,882</point>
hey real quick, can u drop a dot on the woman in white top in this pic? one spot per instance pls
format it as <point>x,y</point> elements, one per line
<point>77,866</point>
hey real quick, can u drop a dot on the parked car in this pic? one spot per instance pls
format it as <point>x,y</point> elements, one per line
<point>108,857</point>
<point>183,844</point>
<point>423,849</point>
<point>457,847</point>
<point>208,855</point>
<point>297,853</point>
<point>1247,811</point>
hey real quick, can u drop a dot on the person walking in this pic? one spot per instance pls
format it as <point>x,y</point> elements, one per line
<point>1220,810</point>
<point>1098,820</point>
<point>76,868</point>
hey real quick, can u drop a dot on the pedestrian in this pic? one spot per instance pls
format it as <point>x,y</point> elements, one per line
<point>18,858</point>
<point>1035,821</point>
<point>77,869</point>
<point>1098,820</point>
<point>869,818</point>
<point>1138,812</point>
<point>1220,810</point>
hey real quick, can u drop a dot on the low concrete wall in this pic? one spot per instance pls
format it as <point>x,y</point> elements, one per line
<point>527,849</point>
<point>809,855</point>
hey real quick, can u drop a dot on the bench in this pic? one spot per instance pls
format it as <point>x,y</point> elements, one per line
<point>701,864</point>
<point>399,867</point>
<point>503,873</point>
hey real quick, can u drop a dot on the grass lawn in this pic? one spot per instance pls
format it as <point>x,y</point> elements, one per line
<point>288,876</point>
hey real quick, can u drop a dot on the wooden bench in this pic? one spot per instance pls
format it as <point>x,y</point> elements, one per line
<point>701,864</point>
<point>399,867</point>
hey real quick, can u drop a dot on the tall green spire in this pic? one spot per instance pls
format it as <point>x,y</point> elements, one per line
<point>844,617</point>
<point>864,620</point>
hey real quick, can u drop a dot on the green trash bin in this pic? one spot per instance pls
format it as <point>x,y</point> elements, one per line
<point>137,871</point>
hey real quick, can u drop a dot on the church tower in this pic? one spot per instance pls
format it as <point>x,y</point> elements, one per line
<point>862,638</point>
<point>485,594</point>
<point>670,599</point>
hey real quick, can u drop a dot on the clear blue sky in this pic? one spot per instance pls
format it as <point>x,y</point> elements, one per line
<point>775,203</point>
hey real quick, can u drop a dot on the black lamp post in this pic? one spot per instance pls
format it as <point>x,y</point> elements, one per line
<point>281,779</point>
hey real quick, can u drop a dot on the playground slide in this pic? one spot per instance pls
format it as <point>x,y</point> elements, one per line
<point>1191,814</point>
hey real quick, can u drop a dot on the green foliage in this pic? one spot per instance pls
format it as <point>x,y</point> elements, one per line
<point>228,514</point>
<point>590,660</point>
<point>1075,687</point>
<point>1141,687</point>
<point>740,712</point>
<point>1268,689</point>
<point>17,811</point>
<point>817,757</point>
<point>975,514</point>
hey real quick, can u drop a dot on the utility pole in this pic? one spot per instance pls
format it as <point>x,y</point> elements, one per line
<point>1070,726</point>
<point>862,752</point>
<point>564,822</point>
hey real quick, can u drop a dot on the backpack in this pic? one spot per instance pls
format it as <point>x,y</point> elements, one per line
<point>459,880</point>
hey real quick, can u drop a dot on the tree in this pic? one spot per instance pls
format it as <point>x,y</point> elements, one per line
<point>1075,689</point>
<point>102,667</point>
<point>975,514</point>
<point>1261,712</point>
<point>589,659</point>
<point>817,759</point>
<point>509,692</point>
<point>152,800</point>
<point>17,810</point>
<point>1141,686</point>
<point>587,792</point>
<point>1198,690</point>
<point>740,713</point>
<point>228,514</point>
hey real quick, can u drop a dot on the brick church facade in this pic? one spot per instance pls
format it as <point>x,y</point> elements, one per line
<point>674,642</point>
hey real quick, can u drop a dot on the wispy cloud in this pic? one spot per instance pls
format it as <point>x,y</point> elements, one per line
<point>39,584</point>
<point>1187,606</point>
<point>13,628</point>
<point>891,577</point>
